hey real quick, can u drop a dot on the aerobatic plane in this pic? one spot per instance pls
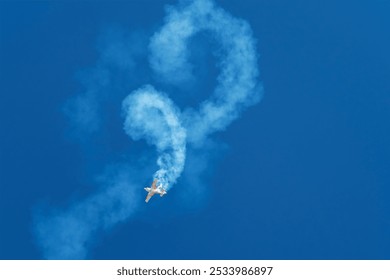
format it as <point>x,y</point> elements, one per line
<point>153,189</point>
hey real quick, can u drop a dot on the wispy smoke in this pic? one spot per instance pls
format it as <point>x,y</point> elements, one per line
<point>151,115</point>
<point>119,53</point>
<point>68,234</point>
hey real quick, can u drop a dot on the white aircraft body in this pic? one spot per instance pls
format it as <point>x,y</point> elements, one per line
<point>153,189</point>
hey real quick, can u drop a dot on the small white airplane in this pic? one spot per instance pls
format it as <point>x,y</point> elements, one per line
<point>153,189</point>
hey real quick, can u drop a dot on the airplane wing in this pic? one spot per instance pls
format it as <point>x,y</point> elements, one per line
<point>161,191</point>
<point>148,197</point>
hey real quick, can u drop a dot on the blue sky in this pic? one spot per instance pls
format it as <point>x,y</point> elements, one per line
<point>303,174</point>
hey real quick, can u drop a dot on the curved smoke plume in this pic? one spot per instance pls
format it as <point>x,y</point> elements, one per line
<point>151,115</point>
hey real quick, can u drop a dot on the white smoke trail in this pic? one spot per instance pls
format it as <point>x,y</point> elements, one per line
<point>238,85</point>
<point>153,115</point>
<point>68,234</point>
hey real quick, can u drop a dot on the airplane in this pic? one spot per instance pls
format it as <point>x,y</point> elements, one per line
<point>153,189</point>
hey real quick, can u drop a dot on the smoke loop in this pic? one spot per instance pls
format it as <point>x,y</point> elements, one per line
<point>237,87</point>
